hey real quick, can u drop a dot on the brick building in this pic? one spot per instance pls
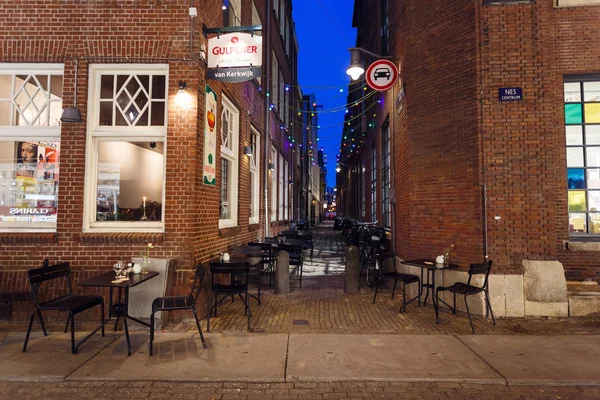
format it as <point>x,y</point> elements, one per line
<point>443,158</point>
<point>131,172</point>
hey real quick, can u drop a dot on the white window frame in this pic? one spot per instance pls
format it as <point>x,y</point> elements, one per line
<point>255,178</point>
<point>231,154</point>
<point>97,133</point>
<point>286,191</point>
<point>576,3</point>
<point>281,188</point>
<point>275,83</point>
<point>30,133</point>
<point>274,184</point>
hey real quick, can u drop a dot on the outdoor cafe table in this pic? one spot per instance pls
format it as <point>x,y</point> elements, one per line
<point>106,280</point>
<point>431,267</point>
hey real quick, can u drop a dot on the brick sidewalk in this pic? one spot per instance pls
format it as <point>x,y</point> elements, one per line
<point>321,306</point>
<point>98,390</point>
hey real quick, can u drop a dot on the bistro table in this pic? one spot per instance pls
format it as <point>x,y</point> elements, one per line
<point>120,309</point>
<point>432,267</point>
<point>254,256</point>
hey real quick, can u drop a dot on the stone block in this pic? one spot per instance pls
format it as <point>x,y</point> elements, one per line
<point>496,285</point>
<point>514,295</point>
<point>584,305</point>
<point>546,309</point>
<point>544,281</point>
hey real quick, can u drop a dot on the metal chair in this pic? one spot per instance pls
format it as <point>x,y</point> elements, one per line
<point>66,302</point>
<point>466,289</point>
<point>172,303</point>
<point>228,279</point>
<point>398,276</point>
<point>267,262</point>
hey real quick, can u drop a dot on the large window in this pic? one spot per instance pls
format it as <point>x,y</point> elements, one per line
<point>363,189</point>
<point>281,187</point>
<point>232,12</point>
<point>286,194</point>
<point>385,175</point>
<point>385,41</point>
<point>30,110</point>
<point>230,116</point>
<point>254,176</point>
<point>582,126</point>
<point>125,165</point>
<point>273,167</point>
<point>373,183</point>
<point>569,3</point>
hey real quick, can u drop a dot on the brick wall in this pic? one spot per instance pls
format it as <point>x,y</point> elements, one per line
<point>136,31</point>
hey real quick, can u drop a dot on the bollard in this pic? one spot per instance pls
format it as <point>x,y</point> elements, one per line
<point>282,273</point>
<point>352,271</point>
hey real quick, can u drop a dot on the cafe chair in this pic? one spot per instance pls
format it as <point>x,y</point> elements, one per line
<point>172,303</point>
<point>267,262</point>
<point>228,279</point>
<point>466,289</point>
<point>69,302</point>
<point>396,276</point>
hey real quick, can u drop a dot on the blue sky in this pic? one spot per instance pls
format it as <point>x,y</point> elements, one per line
<point>324,29</point>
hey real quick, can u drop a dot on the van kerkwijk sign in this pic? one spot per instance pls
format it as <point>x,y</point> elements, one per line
<point>235,57</point>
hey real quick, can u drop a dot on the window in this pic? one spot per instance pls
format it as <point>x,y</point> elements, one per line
<point>275,82</point>
<point>582,130</point>
<point>273,162</point>
<point>363,189</point>
<point>230,116</point>
<point>232,13</point>
<point>569,3</point>
<point>276,7</point>
<point>385,40</point>
<point>286,193</point>
<point>373,183</point>
<point>385,175</point>
<point>282,18</point>
<point>125,164</point>
<point>254,176</point>
<point>30,110</point>
<point>282,104</point>
<point>281,189</point>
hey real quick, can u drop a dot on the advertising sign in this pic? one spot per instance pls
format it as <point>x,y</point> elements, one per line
<point>381,75</point>
<point>235,57</point>
<point>210,138</point>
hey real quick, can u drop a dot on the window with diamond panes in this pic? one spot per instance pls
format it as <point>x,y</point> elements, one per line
<point>30,110</point>
<point>582,132</point>
<point>126,148</point>
<point>132,100</point>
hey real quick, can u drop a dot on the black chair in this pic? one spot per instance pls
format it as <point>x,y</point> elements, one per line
<point>172,303</point>
<point>228,279</point>
<point>397,276</point>
<point>466,289</point>
<point>267,262</point>
<point>295,256</point>
<point>66,302</point>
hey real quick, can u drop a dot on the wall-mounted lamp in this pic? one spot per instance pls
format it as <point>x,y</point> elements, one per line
<point>355,70</point>
<point>271,166</point>
<point>72,114</point>
<point>248,151</point>
<point>182,87</point>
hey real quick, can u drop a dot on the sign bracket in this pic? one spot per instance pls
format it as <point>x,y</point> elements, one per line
<point>231,29</point>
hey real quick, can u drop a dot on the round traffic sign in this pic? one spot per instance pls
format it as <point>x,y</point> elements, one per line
<point>381,75</point>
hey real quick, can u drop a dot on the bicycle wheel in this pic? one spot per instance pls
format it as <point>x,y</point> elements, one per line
<point>371,270</point>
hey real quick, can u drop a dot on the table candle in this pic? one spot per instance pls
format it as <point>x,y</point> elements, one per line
<point>144,201</point>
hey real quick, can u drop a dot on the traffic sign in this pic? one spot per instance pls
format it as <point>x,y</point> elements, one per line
<point>381,75</point>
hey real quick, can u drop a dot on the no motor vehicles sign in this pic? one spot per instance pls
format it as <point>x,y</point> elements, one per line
<point>381,75</point>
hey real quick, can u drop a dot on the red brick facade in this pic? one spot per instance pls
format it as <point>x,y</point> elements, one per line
<point>138,31</point>
<point>452,137</point>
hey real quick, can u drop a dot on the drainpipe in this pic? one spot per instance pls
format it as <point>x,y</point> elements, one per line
<point>267,84</point>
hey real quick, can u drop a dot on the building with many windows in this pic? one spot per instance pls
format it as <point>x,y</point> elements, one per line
<point>488,139</point>
<point>131,169</point>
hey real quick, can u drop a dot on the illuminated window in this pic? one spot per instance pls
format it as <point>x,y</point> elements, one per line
<point>30,110</point>
<point>582,136</point>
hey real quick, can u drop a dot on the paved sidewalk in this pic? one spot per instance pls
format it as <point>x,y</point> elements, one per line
<point>254,357</point>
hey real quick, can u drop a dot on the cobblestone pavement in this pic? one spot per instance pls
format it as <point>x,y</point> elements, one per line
<point>321,306</point>
<point>97,390</point>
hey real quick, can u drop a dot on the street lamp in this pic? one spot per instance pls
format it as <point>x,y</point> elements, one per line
<point>338,167</point>
<point>355,70</point>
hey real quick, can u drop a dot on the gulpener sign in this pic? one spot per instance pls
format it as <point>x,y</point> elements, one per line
<point>235,57</point>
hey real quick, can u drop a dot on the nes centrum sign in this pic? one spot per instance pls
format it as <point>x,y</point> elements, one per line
<point>235,57</point>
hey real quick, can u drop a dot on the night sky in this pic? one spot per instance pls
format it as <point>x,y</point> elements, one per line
<point>324,30</point>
